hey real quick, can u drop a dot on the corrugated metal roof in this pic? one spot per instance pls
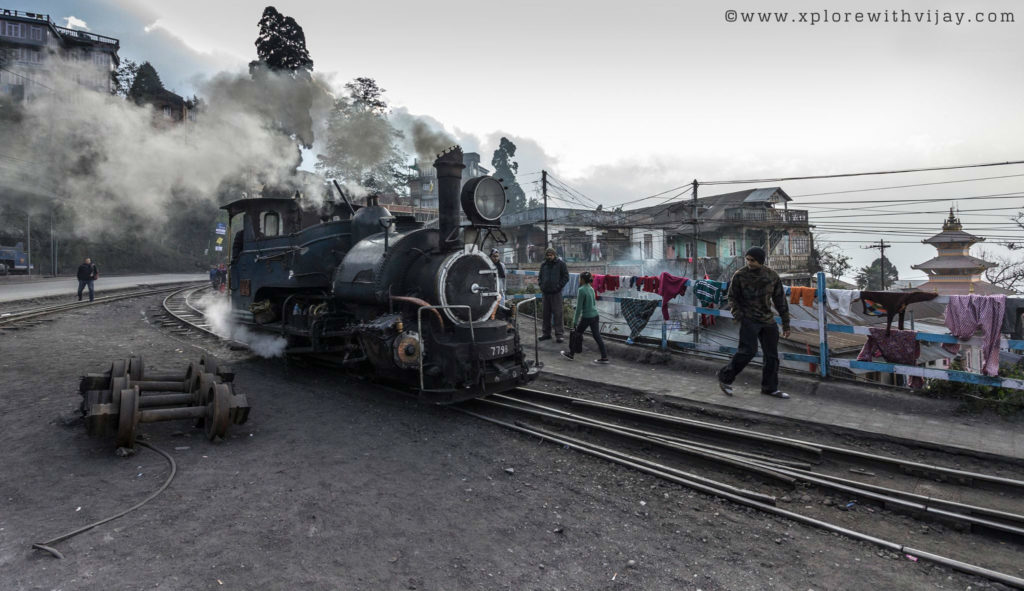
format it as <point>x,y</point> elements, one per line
<point>769,195</point>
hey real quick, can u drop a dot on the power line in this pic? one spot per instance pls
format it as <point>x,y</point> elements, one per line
<point>853,174</point>
<point>1009,195</point>
<point>986,178</point>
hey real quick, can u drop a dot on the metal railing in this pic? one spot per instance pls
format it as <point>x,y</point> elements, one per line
<point>423,341</point>
<point>767,215</point>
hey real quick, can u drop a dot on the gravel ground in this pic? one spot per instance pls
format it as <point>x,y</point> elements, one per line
<point>334,484</point>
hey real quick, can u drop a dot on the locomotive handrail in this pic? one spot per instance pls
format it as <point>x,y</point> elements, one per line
<point>536,342</point>
<point>419,327</point>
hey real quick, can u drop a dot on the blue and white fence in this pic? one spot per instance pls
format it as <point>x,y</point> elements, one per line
<point>823,359</point>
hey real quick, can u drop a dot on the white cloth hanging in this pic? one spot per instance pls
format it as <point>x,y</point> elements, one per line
<point>839,301</point>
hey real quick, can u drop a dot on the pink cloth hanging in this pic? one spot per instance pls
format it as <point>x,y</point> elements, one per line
<point>966,314</point>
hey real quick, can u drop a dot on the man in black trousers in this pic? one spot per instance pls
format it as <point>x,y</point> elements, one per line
<point>554,274</point>
<point>87,274</point>
<point>752,291</point>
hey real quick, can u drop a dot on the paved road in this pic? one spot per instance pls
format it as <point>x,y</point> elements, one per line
<point>10,292</point>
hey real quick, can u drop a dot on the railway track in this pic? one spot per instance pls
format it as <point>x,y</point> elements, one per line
<point>758,470</point>
<point>182,309</point>
<point>735,457</point>
<point>30,317</point>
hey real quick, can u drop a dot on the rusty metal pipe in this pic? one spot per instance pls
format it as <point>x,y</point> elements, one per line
<point>169,386</point>
<point>164,400</point>
<point>420,303</point>
<point>171,414</point>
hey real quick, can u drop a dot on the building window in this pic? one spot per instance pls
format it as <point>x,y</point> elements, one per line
<point>801,244</point>
<point>648,246</point>
<point>36,33</point>
<point>14,30</point>
<point>687,250</point>
<point>167,111</point>
<point>732,248</point>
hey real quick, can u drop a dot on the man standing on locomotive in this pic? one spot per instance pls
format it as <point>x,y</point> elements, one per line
<point>87,274</point>
<point>554,274</point>
<point>496,259</point>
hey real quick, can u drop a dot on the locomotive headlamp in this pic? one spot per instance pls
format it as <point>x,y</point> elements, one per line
<point>483,200</point>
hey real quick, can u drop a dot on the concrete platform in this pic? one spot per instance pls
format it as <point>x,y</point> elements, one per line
<point>880,410</point>
<point>17,288</point>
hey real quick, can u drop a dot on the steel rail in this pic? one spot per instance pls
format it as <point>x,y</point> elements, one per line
<point>906,465</point>
<point>14,317</point>
<point>688,450</point>
<point>175,311</point>
<point>722,455</point>
<point>1005,578</point>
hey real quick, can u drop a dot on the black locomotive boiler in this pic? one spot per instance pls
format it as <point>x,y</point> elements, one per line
<point>380,293</point>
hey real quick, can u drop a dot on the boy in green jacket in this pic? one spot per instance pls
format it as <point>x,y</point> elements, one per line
<point>587,316</point>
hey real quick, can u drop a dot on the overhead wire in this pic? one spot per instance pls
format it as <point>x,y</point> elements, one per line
<point>856,174</point>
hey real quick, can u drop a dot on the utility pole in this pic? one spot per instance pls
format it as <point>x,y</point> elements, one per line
<point>544,190</point>
<point>693,251</point>
<point>881,246</point>
<point>28,241</point>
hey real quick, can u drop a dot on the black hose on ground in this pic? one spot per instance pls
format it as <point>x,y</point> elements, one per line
<point>46,546</point>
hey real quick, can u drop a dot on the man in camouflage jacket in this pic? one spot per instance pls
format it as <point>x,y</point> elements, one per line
<point>752,291</point>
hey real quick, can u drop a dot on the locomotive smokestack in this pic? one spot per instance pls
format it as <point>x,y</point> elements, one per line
<point>449,182</point>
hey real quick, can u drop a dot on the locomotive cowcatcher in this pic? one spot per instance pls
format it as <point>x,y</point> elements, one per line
<point>382,294</point>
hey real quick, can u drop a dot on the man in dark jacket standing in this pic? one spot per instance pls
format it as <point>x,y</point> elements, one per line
<point>752,291</point>
<point>554,274</point>
<point>87,274</point>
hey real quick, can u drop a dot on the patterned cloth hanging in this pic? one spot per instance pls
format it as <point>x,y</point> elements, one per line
<point>637,312</point>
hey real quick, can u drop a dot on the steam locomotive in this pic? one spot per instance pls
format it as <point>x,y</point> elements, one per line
<point>383,294</point>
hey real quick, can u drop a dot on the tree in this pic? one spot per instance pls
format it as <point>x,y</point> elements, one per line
<point>367,96</point>
<point>281,45</point>
<point>828,257</point>
<point>870,277</point>
<point>146,85</point>
<point>360,144</point>
<point>505,168</point>
<point>124,77</point>
<point>1008,272</point>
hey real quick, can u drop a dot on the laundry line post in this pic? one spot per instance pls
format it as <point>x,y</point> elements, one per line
<point>822,332</point>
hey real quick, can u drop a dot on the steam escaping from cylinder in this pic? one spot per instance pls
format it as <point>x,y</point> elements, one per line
<point>218,314</point>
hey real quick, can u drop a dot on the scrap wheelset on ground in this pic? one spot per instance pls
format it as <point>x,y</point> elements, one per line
<point>118,400</point>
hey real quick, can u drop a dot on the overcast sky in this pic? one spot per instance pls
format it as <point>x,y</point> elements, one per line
<point>627,99</point>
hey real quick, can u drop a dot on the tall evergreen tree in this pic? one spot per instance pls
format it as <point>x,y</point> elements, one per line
<point>124,77</point>
<point>870,277</point>
<point>147,84</point>
<point>361,145</point>
<point>281,45</point>
<point>505,168</point>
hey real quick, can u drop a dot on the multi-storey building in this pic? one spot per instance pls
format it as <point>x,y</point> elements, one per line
<point>662,237</point>
<point>423,187</point>
<point>29,44</point>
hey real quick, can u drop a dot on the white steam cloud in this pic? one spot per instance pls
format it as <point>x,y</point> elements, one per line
<point>217,309</point>
<point>115,163</point>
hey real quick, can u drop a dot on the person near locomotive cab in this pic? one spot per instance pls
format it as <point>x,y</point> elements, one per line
<point>554,274</point>
<point>87,274</point>
<point>500,266</point>
<point>587,316</point>
<point>752,292</point>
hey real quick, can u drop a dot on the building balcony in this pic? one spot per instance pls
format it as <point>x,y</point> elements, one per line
<point>766,215</point>
<point>85,36</point>
<point>789,263</point>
